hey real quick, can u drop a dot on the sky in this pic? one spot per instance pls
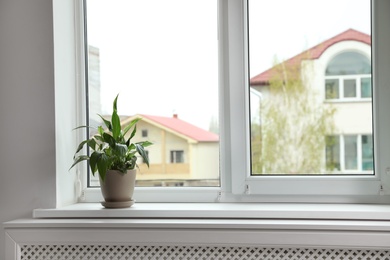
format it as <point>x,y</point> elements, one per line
<point>161,56</point>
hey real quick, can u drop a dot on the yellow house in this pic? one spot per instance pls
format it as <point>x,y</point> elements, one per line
<point>181,155</point>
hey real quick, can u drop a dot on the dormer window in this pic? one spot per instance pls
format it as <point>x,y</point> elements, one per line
<point>348,77</point>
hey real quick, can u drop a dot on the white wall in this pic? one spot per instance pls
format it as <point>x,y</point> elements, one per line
<point>27,128</point>
<point>205,160</point>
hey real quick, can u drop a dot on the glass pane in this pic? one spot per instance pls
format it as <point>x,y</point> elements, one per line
<point>366,87</point>
<point>332,88</point>
<point>367,153</point>
<point>162,57</point>
<point>332,153</point>
<point>349,63</point>
<point>298,58</point>
<point>350,150</point>
<point>349,88</point>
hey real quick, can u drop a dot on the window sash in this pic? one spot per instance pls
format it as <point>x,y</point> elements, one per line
<point>298,187</point>
<point>341,80</point>
<point>237,184</point>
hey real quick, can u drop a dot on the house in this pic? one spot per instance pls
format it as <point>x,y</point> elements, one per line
<point>338,70</point>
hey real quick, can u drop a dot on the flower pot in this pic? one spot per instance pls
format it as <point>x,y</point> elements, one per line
<point>118,188</point>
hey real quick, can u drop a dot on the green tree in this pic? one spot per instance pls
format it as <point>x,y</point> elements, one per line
<point>294,123</point>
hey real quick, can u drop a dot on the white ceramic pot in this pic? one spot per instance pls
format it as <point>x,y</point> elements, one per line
<point>118,188</point>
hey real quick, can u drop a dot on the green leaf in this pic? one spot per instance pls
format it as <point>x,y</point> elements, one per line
<point>84,126</point>
<point>129,126</point>
<point>79,159</point>
<point>120,150</point>
<point>145,143</point>
<point>116,125</point>
<point>132,134</point>
<point>92,143</point>
<point>131,162</point>
<point>99,138</point>
<point>93,160</point>
<point>106,122</point>
<point>102,165</point>
<point>114,107</point>
<point>81,145</point>
<point>109,139</point>
<point>100,130</point>
<point>144,155</point>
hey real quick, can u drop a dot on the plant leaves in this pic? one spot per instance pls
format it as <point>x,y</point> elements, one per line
<point>84,126</point>
<point>145,143</point>
<point>114,107</point>
<point>81,145</point>
<point>115,120</point>
<point>132,134</point>
<point>93,161</point>
<point>102,165</point>
<point>142,152</point>
<point>106,122</point>
<point>79,159</point>
<point>99,138</point>
<point>92,143</point>
<point>100,130</point>
<point>116,125</point>
<point>120,150</point>
<point>129,126</point>
<point>109,139</point>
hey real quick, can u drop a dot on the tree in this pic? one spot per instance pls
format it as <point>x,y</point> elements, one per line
<point>294,124</point>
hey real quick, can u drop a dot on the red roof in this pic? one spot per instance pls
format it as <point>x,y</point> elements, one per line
<point>315,52</point>
<point>179,126</point>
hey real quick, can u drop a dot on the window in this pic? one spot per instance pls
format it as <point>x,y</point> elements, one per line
<point>238,183</point>
<point>348,76</point>
<point>177,157</point>
<point>162,62</point>
<point>289,138</point>
<point>349,153</point>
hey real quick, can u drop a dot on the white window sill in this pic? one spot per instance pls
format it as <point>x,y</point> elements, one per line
<point>257,211</point>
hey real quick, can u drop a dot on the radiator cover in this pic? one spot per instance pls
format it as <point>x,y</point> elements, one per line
<point>121,252</point>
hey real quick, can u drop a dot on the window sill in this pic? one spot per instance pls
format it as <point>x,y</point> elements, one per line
<point>210,224</point>
<point>253,211</point>
<point>352,100</point>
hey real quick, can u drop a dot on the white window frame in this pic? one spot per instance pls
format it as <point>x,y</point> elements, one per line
<point>236,183</point>
<point>174,156</point>
<point>307,188</point>
<point>358,85</point>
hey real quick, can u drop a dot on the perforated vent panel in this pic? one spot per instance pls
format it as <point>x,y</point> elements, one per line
<point>115,252</point>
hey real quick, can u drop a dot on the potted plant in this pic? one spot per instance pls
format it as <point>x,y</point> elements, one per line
<point>114,157</point>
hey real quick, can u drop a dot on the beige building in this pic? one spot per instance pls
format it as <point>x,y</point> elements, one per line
<point>339,71</point>
<point>181,155</point>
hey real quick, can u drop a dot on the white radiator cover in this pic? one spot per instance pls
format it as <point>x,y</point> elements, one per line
<point>194,239</point>
<point>117,252</point>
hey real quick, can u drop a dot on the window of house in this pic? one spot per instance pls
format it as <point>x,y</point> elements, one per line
<point>349,153</point>
<point>177,157</point>
<point>348,76</point>
<point>144,133</point>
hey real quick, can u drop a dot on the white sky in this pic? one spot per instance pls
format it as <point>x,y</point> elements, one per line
<point>161,56</point>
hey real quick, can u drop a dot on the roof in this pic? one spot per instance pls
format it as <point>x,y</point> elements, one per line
<point>180,127</point>
<point>315,52</point>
